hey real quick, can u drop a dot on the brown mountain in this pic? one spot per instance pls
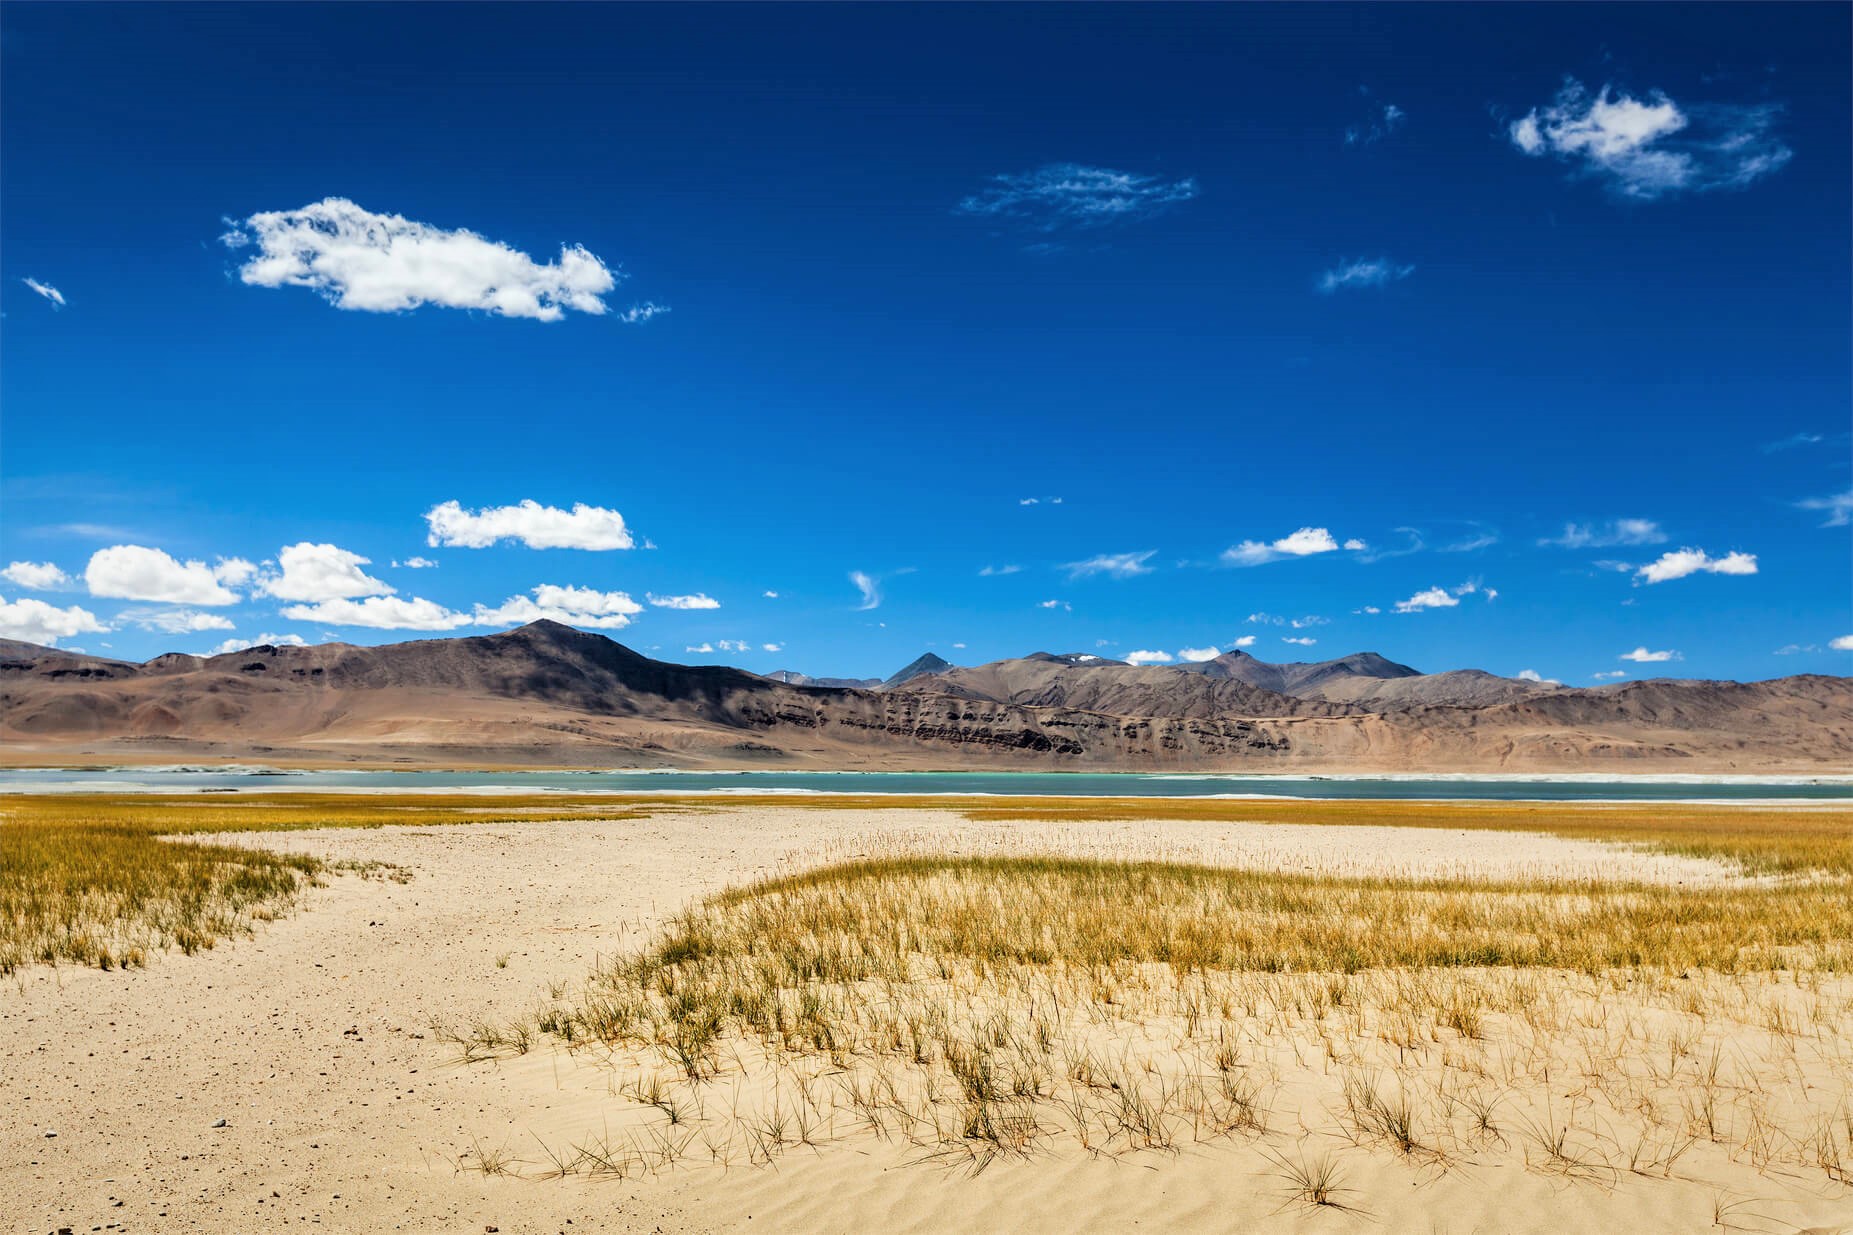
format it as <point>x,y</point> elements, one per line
<point>548,695</point>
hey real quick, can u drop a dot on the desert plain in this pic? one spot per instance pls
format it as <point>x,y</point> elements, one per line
<point>851,1014</point>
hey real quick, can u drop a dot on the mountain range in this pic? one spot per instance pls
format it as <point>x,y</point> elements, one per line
<point>550,695</point>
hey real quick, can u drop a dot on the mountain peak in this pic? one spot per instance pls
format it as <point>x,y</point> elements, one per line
<point>920,666</point>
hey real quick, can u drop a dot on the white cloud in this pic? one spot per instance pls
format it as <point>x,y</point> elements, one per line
<point>1354,545</point>
<point>772,595</point>
<point>574,606</point>
<point>46,290</point>
<point>772,647</point>
<point>1371,609</point>
<point>1372,272</point>
<point>699,600</point>
<point>1433,598</point>
<point>1611,674</point>
<point>1839,508</point>
<point>418,563</point>
<point>1055,604</point>
<point>989,571</point>
<point>1607,535</point>
<point>1791,441</point>
<point>233,571</point>
<point>1794,649</point>
<point>1532,675</point>
<point>313,572</point>
<point>642,312</point>
<point>870,589</point>
<point>1198,655</point>
<point>1246,641</point>
<point>239,644</point>
<point>1303,543</point>
<point>175,621</point>
<point>530,523</point>
<point>1678,563</point>
<point>725,645</point>
<point>39,576</point>
<point>380,613</point>
<point>1841,643</point>
<point>1059,195</point>
<point>1652,148</point>
<point>1113,565</point>
<point>1642,656</point>
<point>1301,623</point>
<point>1148,658</point>
<point>387,263</point>
<point>1304,641</point>
<point>136,572</point>
<point>703,649</point>
<point>34,621</point>
<point>1383,122</point>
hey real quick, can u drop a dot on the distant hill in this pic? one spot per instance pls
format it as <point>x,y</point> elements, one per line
<point>549,695</point>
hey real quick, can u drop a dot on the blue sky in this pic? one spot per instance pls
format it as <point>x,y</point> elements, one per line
<point>1157,313</point>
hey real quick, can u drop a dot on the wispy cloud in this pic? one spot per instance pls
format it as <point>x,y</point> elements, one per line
<point>1607,535</point>
<point>700,600</point>
<point>1792,441</point>
<point>46,290</point>
<point>1610,675</point>
<point>175,621</point>
<point>387,263</point>
<point>1059,195</point>
<point>1113,565</point>
<point>642,312</point>
<point>1839,507</point>
<point>1642,656</point>
<point>1384,121</point>
<point>1372,272</point>
<point>1304,543</point>
<point>1651,148</point>
<point>870,589</point>
<point>1678,563</point>
<point>1304,641</point>
<point>990,571</point>
<point>1055,604</point>
<point>528,523</point>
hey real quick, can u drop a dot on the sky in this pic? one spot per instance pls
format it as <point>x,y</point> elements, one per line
<point>1505,337</point>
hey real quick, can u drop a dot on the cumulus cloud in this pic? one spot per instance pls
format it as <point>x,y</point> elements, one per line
<point>387,263</point>
<point>1365,272</point>
<point>380,613</point>
<point>1304,641</point>
<point>574,606</point>
<point>699,600</point>
<point>1607,535</point>
<point>1148,658</point>
<point>1839,508</point>
<point>46,290</point>
<point>1383,122</point>
<point>38,576</point>
<point>1113,565</point>
<point>1650,148</point>
<point>1841,643</point>
<point>870,589</point>
<point>136,572</point>
<point>417,563</point>
<point>312,572</point>
<point>1532,675</point>
<point>238,643</point>
<point>1678,563</point>
<point>175,621</point>
<point>1060,195</point>
<point>1303,543</point>
<point>1433,598</point>
<point>529,523</point>
<point>1642,656</point>
<point>1354,545</point>
<point>34,621</point>
<point>1198,655</point>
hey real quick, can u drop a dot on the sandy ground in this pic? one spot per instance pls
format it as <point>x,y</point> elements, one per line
<point>341,1110</point>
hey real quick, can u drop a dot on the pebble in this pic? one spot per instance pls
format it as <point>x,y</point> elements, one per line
<point>218,1123</point>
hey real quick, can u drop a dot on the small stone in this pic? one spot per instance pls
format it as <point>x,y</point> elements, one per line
<point>218,1123</point>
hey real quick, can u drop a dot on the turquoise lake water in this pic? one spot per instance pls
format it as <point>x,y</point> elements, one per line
<point>1083,784</point>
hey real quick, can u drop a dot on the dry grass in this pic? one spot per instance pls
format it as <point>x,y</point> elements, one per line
<point>990,1007</point>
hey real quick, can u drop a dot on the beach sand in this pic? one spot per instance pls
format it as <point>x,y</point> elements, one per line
<point>343,1110</point>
